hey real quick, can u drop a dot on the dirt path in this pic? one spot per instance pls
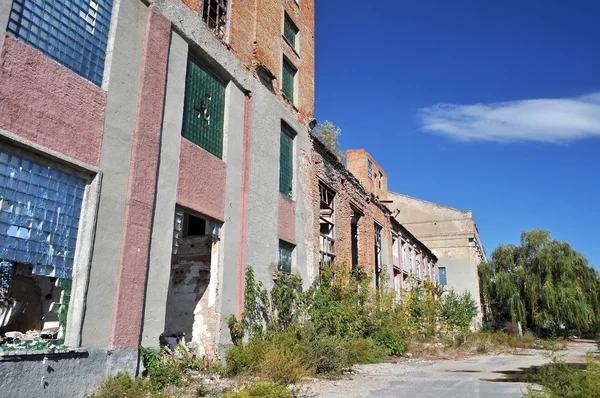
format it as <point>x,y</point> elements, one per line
<point>480,376</point>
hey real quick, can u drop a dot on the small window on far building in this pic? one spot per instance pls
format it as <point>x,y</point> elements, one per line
<point>443,279</point>
<point>288,79</point>
<point>369,168</point>
<point>290,31</point>
<point>284,262</point>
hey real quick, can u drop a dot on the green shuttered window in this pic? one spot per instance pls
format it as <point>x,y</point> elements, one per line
<point>290,31</point>
<point>287,85</point>
<point>284,263</point>
<point>204,108</point>
<point>286,162</point>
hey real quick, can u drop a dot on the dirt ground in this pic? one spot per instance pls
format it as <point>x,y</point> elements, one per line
<point>491,376</point>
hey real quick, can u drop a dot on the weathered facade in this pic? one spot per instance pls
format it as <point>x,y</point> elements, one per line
<point>449,233</point>
<point>149,152</point>
<point>357,230</point>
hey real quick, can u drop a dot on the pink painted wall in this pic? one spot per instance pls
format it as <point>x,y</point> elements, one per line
<point>141,188</point>
<point>286,225</point>
<point>201,184</point>
<point>45,102</point>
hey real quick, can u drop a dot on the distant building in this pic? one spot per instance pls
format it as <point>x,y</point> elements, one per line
<point>451,234</point>
<point>356,229</point>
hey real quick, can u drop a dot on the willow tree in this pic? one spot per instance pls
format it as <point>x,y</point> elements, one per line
<point>543,283</point>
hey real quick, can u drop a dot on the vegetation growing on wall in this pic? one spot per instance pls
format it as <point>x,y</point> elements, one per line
<point>329,135</point>
<point>544,284</point>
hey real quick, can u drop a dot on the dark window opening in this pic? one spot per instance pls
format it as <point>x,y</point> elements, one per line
<point>354,233</point>
<point>284,262</point>
<point>378,264</point>
<point>326,227</point>
<point>214,13</point>
<point>195,226</point>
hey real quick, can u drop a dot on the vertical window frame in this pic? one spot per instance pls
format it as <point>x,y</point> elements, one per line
<point>208,138</point>
<point>291,32</point>
<point>287,249</point>
<point>286,161</point>
<point>288,79</point>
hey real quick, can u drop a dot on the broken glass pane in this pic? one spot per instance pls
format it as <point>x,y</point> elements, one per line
<point>40,208</point>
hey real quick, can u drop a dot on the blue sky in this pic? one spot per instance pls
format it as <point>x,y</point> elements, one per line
<point>487,106</point>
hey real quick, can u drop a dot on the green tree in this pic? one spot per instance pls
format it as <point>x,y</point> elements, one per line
<point>329,135</point>
<point>543,283</point>
<point>457,311</point>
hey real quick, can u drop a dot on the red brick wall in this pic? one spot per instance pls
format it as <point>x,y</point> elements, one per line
<point>256,38</point>
<point>349,194</point>
<point>356,161</point>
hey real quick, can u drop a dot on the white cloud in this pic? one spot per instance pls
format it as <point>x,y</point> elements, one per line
<point>546,120</point>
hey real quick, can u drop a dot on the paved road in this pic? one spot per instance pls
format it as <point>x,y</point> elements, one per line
<point>481,376</point>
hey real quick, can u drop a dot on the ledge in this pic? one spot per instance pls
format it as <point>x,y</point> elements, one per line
<point>4,355</point>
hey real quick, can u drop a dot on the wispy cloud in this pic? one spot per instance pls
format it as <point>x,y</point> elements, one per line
<point>546,120</point>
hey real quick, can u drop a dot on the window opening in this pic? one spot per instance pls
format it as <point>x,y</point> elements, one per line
<point>286,162</point>
<point>40,208</point>
<point>288,79</point>
<point>74,33</point>
<point>326,224</point>
<point>195,226</point>
<point>355,238</point>
<point>203,108</point>
<point>284,263</point>
<point>369,168</point>
<point>214,14</point>
<point>378,265</point>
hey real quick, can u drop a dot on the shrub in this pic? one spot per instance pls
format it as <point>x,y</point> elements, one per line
<point>122,385</point>
<point>457,311</point>
<point>283,365</point>
<point>161,368</point>
<point>562,380</point>
<point>263,390</point>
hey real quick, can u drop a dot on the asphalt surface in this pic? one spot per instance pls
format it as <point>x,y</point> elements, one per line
<point>491,376</point>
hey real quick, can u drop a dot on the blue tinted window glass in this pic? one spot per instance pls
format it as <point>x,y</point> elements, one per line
<point>443,280</point>
<point>39,218</point>
<point>72,32</point>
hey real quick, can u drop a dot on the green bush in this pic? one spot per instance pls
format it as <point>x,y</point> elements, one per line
<point>122,385</point>
<point>161,369</point>
<point>263,390</point>
<point>562,380</point>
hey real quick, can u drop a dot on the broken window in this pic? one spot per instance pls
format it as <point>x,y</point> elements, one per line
<point>290,30</point>
<point>326,227</point>
<point>354,232</point>
<point>378,263</point>
<point>203,108</point>
<point>284,262</point>
<point>286,161</point>
<point>40,207</point>
<point>288,79</point>
<point>369,168</point>
<point>214,13</point>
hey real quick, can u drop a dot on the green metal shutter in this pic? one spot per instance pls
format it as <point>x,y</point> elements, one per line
<point>287,85</point>
<point>290,31</point>
<point>284,263</point>
<point>286,162</point>
<point>204,108</point>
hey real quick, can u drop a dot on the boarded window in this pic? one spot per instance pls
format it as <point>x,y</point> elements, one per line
<point>204,108</point>
<point>326,226</point>
<point>290,30</point>
<point>288,79</point>
<point>443,280</point>
<point>286,161</point>
<point>284,262</point>
<point>72,32</point>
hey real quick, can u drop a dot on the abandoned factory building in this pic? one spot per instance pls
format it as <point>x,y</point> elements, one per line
<point>151,151</point>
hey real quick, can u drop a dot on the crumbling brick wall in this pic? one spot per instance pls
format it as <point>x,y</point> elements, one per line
<point>349,196</point>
